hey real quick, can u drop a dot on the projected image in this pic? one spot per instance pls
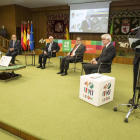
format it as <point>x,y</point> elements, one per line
<point>89,20</point>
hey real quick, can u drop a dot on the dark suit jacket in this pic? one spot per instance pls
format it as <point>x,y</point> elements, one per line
<point>17,45</point>
<point>85,26</point>
<point>80,51</point>
<point>137,51</point>
<point>55,47</point>
<point>107,56</point>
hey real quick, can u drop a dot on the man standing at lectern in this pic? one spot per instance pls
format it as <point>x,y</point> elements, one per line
<point>107,56</point>
<point>78,49</point>
<point>14,47</point>
<point>51,49</point>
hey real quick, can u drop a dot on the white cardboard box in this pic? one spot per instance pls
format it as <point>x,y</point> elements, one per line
<point>96,89</point>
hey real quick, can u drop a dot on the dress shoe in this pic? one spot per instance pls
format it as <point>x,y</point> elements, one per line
<point>64,73</point>
<point>43,67</point>
<point>12,64</point>
<point>39,66</point>
<point>60,72</point>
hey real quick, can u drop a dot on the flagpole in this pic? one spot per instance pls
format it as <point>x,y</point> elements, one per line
<point>22,33</point>
<point>28,33</point>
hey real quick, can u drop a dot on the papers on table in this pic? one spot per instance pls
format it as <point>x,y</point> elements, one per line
<point>96,75</point>
<point>5,60</point>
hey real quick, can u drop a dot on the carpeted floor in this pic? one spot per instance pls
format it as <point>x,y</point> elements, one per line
<point>47,106</point>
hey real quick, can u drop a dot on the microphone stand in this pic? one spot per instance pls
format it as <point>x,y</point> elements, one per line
<point>134,105</point>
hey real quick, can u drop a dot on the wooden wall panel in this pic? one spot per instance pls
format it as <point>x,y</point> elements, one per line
<point>21,14</point>
<point>39,26</point>
<point>7,19</point>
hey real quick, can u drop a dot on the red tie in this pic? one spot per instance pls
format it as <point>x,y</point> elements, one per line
<point>73,50</point>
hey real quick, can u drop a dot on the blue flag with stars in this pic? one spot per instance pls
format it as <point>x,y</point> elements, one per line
<point>32,46</point>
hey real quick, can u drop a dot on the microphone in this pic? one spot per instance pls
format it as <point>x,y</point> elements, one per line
<point>135,28</point>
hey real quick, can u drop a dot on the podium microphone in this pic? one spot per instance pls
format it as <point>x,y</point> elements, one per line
<point>135,28</point>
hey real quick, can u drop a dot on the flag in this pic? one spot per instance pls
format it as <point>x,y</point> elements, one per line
<point>22,33</point>
<point>67,35</point>
<point>24,39</point>
<point>31,38</point>
<point>111,30</point>
<point>28,36</point>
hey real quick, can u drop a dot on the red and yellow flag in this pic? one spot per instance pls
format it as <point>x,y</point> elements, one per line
<point>67,35</point>
<point>24,38</point>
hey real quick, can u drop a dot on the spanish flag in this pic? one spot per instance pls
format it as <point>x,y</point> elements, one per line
<point>67,35</point>
<point>24,39</point>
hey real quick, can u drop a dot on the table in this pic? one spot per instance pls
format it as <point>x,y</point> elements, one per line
<point>60,60</point>
<point>7,73</point>
<point>33,58</point>
<point>96,89</point>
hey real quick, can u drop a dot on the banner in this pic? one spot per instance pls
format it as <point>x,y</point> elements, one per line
<point>92,47</point>
<point>66,45</point>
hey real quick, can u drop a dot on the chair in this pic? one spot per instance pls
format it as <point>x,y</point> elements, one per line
<point>78,59</point>
<point>52,56</point>
<point>99,68</point>
<point>106,65</point>
<point>103,67</point>
<point>18,61</point>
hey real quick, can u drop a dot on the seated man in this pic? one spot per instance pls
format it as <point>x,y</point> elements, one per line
<point>78,49</point>
<point>14,47</point>
<point>107,55</point>
<point>51,49</point>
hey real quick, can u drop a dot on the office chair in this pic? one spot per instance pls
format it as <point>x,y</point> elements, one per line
<point>49,58</point>
<point>78,59</point>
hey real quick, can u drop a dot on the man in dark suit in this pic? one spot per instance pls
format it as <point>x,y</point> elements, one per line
<point>135,65</point>
<point>78,49</point>
<point>87,24</point>
<point>51,49</point>
<point>14,47</point>
<point>107,56</point>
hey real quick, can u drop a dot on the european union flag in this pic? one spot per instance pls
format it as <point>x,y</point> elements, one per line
<point>32,45</point>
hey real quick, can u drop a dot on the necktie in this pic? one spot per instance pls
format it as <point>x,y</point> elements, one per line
<point>104,49</point>
<point>13,44</point>
<point>49,49</point>
<point>73,51</point>
<point>102,54</point>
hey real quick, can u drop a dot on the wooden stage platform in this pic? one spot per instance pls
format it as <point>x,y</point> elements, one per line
<point>128,59</point>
